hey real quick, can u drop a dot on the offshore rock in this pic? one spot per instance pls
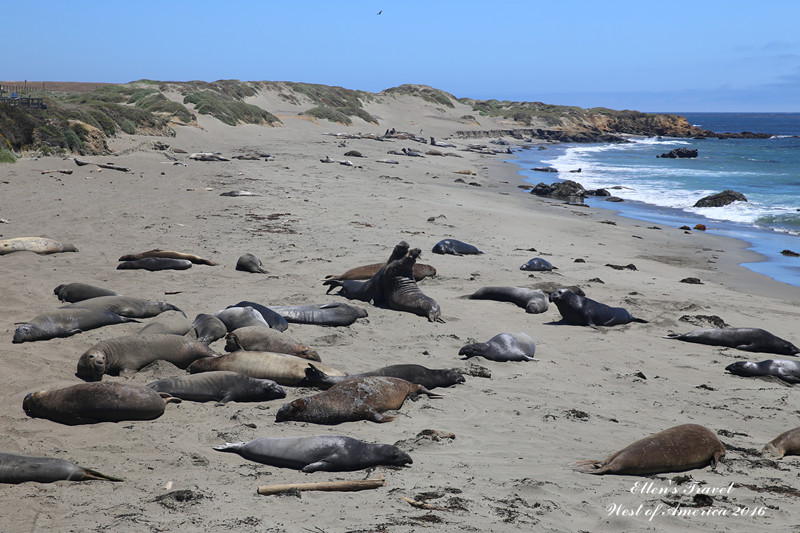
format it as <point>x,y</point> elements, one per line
<point>721,199</point>
<point>561,189</point>
<point>680,153</point>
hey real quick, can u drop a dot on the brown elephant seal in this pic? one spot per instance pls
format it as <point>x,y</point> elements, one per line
<point>401,292</point>
<point>38,245</point>
<point>124,356</point>
<point>260,339</point>
<point>532,300</point>
<point>126,306</point>
<point>76,292</point>
<point>503,347</point>
<point>421,271</point>
<point>250,263</point>
<point>428,378</point>
<point>168,323</point>
<point>209,328</point>
<point>784,369</point>
<point>581,311</point>
<point>90,403</point>
<point>21,468</point>
<point>353,399</point>
<point>787,443</point>
<point>220,386</point>
<point>747,339</point>
<point>371,290</point>
<point>65,323</point>
<point>168,254</point>
<point>155,264</point>
<point>281,368</point>
<point>325,453</point>
<point>330,314</point>
<point>676,449</point>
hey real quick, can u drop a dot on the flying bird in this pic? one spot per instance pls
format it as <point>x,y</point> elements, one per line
<point>381,11</point>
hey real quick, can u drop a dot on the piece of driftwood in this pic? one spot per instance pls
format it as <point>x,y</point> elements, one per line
<point>111,166</point>
<point>62,170</point>
<point>342,486</point>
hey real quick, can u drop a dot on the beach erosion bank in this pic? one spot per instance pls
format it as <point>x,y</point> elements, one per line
<point>593,391</point>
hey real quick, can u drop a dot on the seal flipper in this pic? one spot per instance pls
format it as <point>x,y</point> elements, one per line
<point>229,447</point>
<point>313,467</point>
<point>88,474</point>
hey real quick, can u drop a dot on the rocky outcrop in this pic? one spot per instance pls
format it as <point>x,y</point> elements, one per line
<point>721,199</point>
<point>680,153</point>
<point>560,189</point>
<point>545,135</point>
<point>743,135</point>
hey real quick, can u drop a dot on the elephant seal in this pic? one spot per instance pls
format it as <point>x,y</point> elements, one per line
<point>748,339</point>
<point>676,449</point>
<point>549,287</point>
<point>428,378</point>
<point>168,254</point>
<point>581,311</point>
<point>239,192</point>
<point>788,371</point>
<point>155,264</point>
<point>236,317</point>
<point>401,292</point>
<point>168,323</point>
<point>533,301</point>
<point>371,289</point>
<point>273,319</point>
<point>330,314</point>
<point>90,403</point>
<point>325,453</point>
<point>260,339</point>
<point>65,323</point>
<point>220,386</point>
<point>537,264</point>
<point>250,263</point>
<point>21,468</point>
<point>503,347</point>
<point>454,247</point>
<point>421,271</point>
<point>124,356</point>
<point>39,245</point>
<point>126,306</point>
<point>76,292</point>
<point>209,328</point>
<point>353,399</point>
<point>787,443</point>
<point>281,368</point>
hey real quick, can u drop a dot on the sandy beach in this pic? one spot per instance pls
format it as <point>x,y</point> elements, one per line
<point>593,391</point>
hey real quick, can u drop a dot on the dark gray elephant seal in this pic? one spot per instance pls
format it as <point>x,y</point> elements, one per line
<point>401,292</point>
<point>787,443</point>
<point>748,339</point>
<point>168,323</point>
<point>209,328</point>
<point>503,347</point>
<point>65,323</point>
<point>537,264</point>
<point>353,399</point>
<point>788,371</point>
<point>281,368</point>
<point>581,311</point>
<point>371,290</point>
<point>126,306</point>
<point>90,403</point>
<point>428,378</point>
<point>124,356</point>
<point>454,247</point>
<point>21,468</point>
<point>76,292</point>
<point>676,449</point>
<point>220,386</point>
<point>250,263</point>
<point>326,453</point>
<point>273,319</point>
<point>260,339</point>
<point>155,264</point>
<point>533,301</point>
<point>331,314</point>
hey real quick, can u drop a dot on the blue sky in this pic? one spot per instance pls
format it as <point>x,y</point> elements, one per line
<point>649,56</point>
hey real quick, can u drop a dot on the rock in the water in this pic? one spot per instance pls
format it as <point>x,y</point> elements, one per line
<point>680,153</point>
<point>561,189</point>
<point>720,199</point>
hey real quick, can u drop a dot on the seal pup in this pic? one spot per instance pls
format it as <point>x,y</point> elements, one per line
<point>537,264</point>
<point>168,254</point>
<point>532,300</point>
<point>281,368</point>
<point>155,264</point>
<point>65,323</point>
<point>676,449</point>
<point>787,443</point>
<point>581,311</point>
<point>260,339</point>
<point>38,245</point>
<point>503,347</point>
<point>209,328</point>
<point>325,453</point>
<point>168,323</point>
<point>273,319</point>
<point>250,263</point>
<point>353,399</point>
<point>76,292</point>
<point>126,306</point>
<point>401,292</point>
<point>787,370</point>
<point>90,403</point>
<point>21,468</point>
<point>124,356</point>
<point>220,386</point>
<point>330,314</point>
<point>428,378</point>
<point>747,339</point>
<point>454,247</point>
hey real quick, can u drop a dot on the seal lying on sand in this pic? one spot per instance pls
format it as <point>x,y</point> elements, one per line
<point>580,311</point>
<point>503,347</point>
<point>65,323</point>
<point>250,263</point>
<point>677,449</point>
<point>330,314</point>
<point>168,323</point>
<point>76,292</point>
<point>208,328</point>
<point>22,468</point>
<point>353,399</point>
<point>454,247</point>
<point>428,378</point>
<point>221,387</point>
<point>168,254</point>
<point>237,316</point>
<point>327,453</point>
<point>155,264</point>
<point>787,443</point>
<point>126,306</point>
<point>537,264</point>
<point>401,292</point>
<point>279,367</point>
<point>748,339</point>
<point>260,339</point>
<point>533,301</point>
<point>788,371</point>
<point>273,319</point>
<point>39,245</point>
<point>90,403</point>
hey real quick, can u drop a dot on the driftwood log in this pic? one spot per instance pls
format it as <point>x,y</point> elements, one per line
<point>62,170</point>
<point>341,486</point>
<point>111,166</point>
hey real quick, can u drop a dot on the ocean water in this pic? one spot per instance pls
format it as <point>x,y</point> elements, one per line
<point>664,191</point>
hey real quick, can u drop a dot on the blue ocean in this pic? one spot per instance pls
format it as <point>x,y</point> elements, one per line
<point>664,191</point>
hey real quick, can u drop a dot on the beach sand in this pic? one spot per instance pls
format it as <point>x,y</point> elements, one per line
<point>593,392</point>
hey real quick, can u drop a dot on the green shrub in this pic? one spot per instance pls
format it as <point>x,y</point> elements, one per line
<point>71,140</point>
<point>80,130</point>
<point>127,126</point>
<point>6,156</point>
